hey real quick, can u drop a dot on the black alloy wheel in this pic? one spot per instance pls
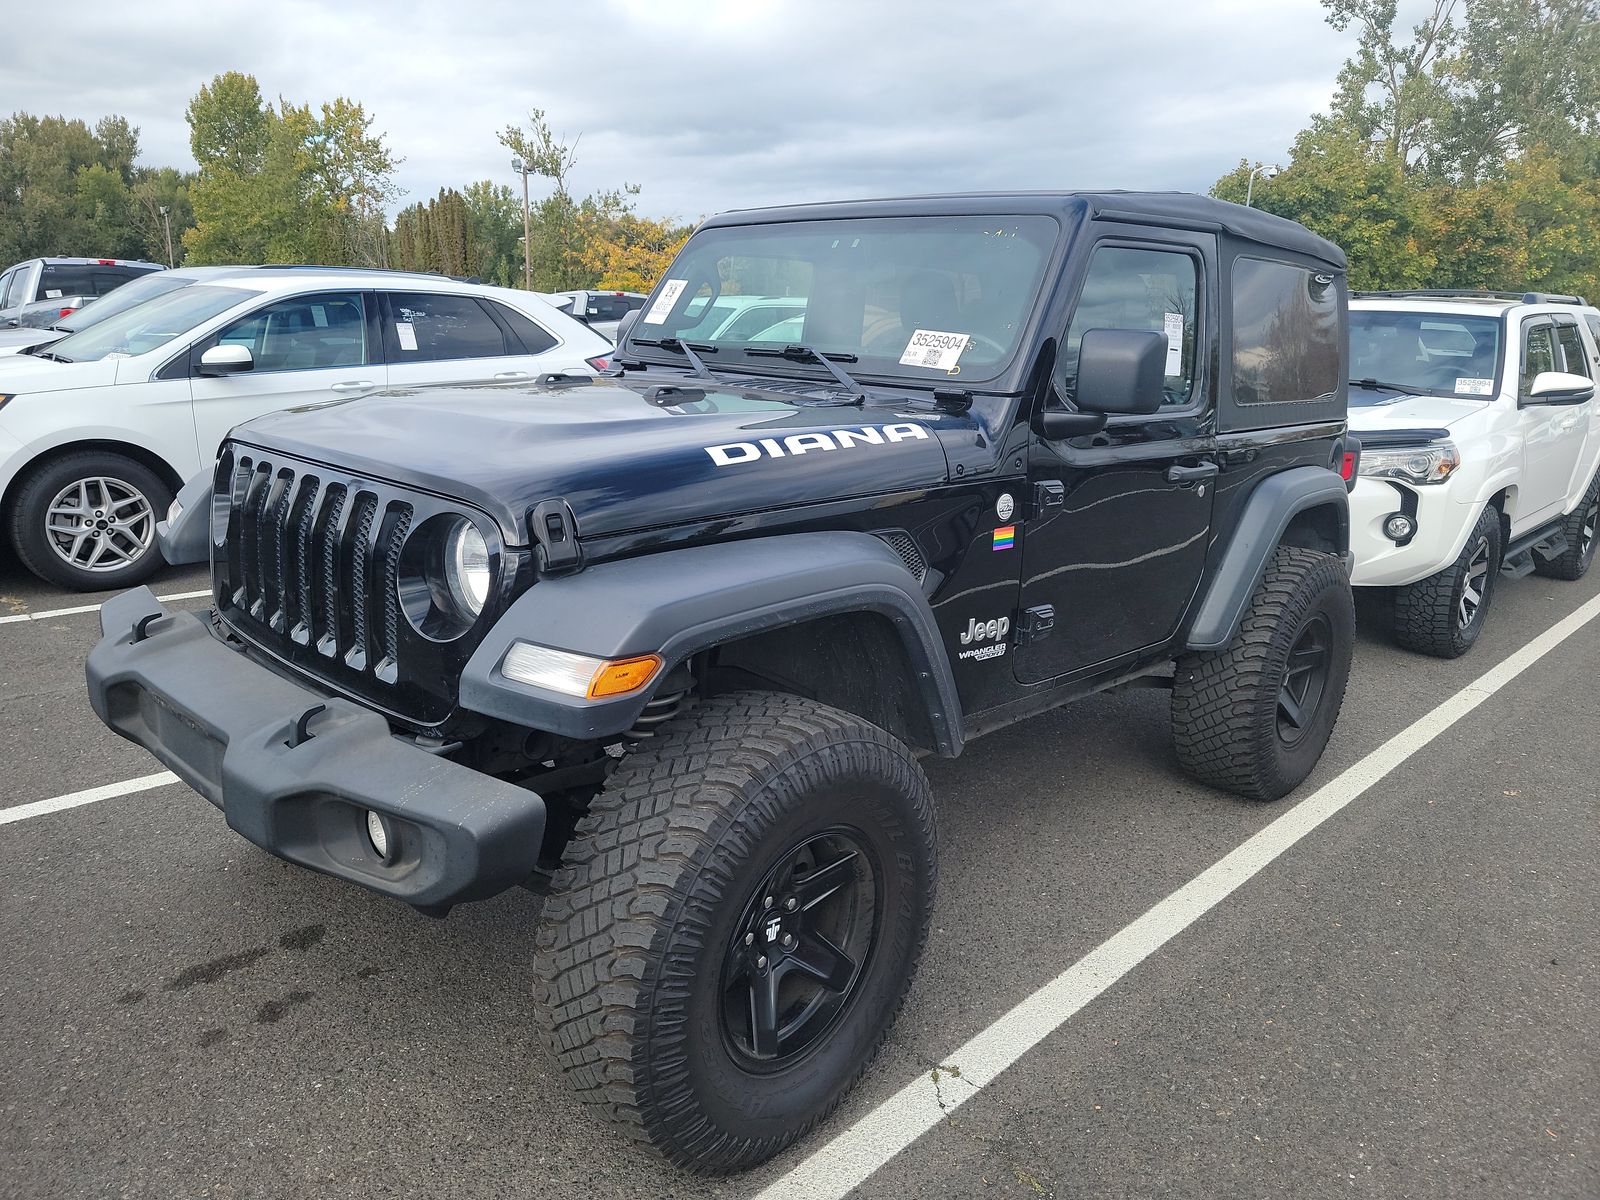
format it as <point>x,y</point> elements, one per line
<point>1305,679</point>
<point>796,956</point>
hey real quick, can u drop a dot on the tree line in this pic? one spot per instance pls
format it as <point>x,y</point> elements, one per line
<point>290,182</point>
<point>1461,152</point>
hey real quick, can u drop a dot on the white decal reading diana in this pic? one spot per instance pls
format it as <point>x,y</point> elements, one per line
<point>796,444</point>
<point>1475,387</point>
<point>931,348</point>
<point>407,332</point>
<point>1172,323</point>
<point>670,290</point>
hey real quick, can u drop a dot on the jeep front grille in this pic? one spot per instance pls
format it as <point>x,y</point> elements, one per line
<point>310,572</point>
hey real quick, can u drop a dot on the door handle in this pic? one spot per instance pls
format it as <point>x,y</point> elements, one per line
<point>1180,474</point>
<point>357,385</point>
<point>507,376</point>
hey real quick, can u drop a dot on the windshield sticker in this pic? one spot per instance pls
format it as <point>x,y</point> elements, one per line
<point>319,316</point>
<point>407,333</point>
<point>1172,323</point>
<point>935,349</point>
<point>1475,387</point>
<point>52,294</point>
<point>796,444</point>
<point>670,291</point>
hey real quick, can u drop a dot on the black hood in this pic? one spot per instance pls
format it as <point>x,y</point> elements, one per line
<point>624,456</point>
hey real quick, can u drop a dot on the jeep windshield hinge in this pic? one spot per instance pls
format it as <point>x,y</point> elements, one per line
<point>555,531</point>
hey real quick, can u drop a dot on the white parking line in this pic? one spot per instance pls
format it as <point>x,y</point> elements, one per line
<point>105,791</point>
<point>854,1155</point>
<point>84,608</point>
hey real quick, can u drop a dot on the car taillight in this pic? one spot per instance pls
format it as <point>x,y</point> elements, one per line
<point>1347,468</point>
<point>66,312</point>
<point>106,262</point>
<point>598,362</point>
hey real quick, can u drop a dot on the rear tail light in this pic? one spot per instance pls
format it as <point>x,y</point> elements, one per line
<point>66,312</point>
<point>106,262</point>
<point>1347,468</point>
<point>599,362</point>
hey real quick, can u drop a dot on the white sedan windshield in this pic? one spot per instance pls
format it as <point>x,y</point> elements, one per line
<point>150,325</point>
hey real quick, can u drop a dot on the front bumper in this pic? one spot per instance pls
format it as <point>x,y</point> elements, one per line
<point>1442,525</point>
<point>226,725</point>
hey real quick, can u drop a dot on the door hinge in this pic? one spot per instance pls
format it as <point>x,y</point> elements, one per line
<point>1036,623</point>
<point>555,530</point>
<point>1048,497</point>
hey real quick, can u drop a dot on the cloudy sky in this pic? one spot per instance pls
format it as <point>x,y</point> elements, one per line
<point>725,103</point>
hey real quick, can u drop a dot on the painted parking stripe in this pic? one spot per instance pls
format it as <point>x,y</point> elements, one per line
<point>856,1154</point>
<point>105,791</point>
<point>85,608</point>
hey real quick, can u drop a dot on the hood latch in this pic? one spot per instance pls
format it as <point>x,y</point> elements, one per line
<point>555,532</point>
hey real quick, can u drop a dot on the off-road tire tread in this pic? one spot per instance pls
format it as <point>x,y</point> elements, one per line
<point>1425,612</point>
<point>600,943</point>
<point>1215,694</point>
<point>1571,565</point>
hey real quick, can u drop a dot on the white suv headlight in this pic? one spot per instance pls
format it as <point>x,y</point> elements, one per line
<point>1433,463</point>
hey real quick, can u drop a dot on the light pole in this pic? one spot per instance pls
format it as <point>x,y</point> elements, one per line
<point>521,168</point>
<point>1266,172</point>
<point>166,224</point>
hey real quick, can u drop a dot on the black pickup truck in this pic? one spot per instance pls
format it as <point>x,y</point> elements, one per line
<point>669,644</point>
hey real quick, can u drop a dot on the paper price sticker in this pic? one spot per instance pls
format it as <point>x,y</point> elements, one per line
<point>407,333</point>
<point>670,291</point>
<point>1474,387</point>
<point>935,349</point>
<point>1172,324</point>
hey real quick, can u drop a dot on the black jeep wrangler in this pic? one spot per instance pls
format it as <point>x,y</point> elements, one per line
<point>668,644</point>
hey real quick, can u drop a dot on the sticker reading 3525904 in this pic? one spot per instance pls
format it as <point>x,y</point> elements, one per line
<point>670,291</point>
<point>931,348</point>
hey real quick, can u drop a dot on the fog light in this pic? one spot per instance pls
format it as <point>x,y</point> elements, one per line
<point>1398,527</point>
<point>380,835</point>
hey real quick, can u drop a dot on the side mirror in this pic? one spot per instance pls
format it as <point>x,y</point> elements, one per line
<point>1121,371</point>
<point>1559,387</point>
<point>625,326</point>
<point>226,359</point>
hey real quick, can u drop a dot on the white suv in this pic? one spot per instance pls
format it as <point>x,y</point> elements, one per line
<point>1480,435</point>
<point>99,429</point>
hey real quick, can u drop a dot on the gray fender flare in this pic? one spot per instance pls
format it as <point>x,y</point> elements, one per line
<point>677,602</point>
<point>1267,512</point>
<point>188,539</point>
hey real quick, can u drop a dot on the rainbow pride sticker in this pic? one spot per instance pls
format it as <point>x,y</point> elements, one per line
<point>1005,537</point>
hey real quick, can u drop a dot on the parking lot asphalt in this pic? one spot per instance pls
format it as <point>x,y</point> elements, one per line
<point>1403,1004</point>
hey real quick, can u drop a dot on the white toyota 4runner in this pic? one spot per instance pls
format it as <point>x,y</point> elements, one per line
<point>1479,434</point>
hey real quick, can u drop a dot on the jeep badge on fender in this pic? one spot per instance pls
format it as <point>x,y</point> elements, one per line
<point>669,644</point>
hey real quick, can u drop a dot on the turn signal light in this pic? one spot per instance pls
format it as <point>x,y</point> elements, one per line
<point>620,678</point>
<point>578,674</point>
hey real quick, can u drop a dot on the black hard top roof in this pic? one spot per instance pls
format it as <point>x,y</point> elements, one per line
<point>1181,210</point>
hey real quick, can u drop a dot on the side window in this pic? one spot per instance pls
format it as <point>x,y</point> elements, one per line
<point>1285,333</point>
<point>429,327</point>
<point>302,334</point>
<point>5,284</point>
<point>1593,322</point>
<point>1572,350</point>
<point>535,338</point>
<point>1538,351</point>
<point>14,293</point>
<point>1129,287</point>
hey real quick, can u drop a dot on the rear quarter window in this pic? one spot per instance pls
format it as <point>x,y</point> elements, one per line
<point>1285,333</point>
<point>84,280</point>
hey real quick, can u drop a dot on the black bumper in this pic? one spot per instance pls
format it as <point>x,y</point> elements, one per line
<point>226,725</point>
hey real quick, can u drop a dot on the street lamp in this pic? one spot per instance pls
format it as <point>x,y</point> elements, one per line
<point>522,168</point>
<point>166,224</point>
<point>1267,172</point>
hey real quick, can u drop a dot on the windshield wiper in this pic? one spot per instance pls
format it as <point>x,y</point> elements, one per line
<point>1379,385</point>
<point>41,352</point>
<point>798,353</point>
<point>686,349</point>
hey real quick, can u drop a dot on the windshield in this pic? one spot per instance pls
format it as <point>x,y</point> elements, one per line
<point>150,325</point>
<point>146,287</point>
<point>911,297</point>
<point>1439,353</point>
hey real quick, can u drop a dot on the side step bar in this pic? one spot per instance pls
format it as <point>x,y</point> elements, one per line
<point>1547,543</point>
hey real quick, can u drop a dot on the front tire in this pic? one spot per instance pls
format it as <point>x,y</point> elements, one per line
<point>1580,526</point>
<point>1443,614</point>
<point>87,521</point>
<point>1253,718</point>
<point>736,926</point>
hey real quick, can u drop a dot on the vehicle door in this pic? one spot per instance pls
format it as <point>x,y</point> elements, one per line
<point>304,350</point>
<point>17,289</point>
<point>1553,435</point>
<point>1115,540</point>
<point>436,338</point>
<point>1578,359</point>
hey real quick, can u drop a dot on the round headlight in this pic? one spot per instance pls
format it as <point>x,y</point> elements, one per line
<point>466,567</point>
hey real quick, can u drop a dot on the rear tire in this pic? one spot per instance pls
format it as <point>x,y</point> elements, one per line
<point>87,521</point>
<point>1253,718</point>
<point>1580,526</point>
<point>648,947</point>
<point>1443,614</point>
